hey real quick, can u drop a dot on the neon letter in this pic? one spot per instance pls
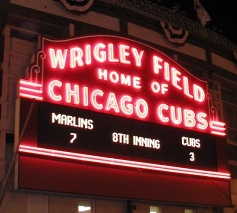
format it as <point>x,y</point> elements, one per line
<point>124,54</point>
<point>112,103</point>
<point>201,117</point>
<point>52,95</point>
<point>99,55</point>
<point>139,106</point>
<point>160,109</point>
<point>72,92</point>
<point>176,118</point>
<point>199,94</point>
<point>156,64</point>
<point>137,56</point>
<point>111,53</point>
<point>102,74</point>
<point>186,87</point>
<point>189,119</point>
<point>75,57</point>
<point>175,78</point>
<point>127,109</point>
<point>93,98</point>
<point>166,71</point>
<point>57,59</point>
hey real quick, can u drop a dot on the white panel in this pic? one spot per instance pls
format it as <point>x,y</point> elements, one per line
<point>160,39</point>
<point>12,89</point>
<point>63,204</point>
<point>57,8</point>
<point>18,65</point>
<point>103,206</point>
<point>9,123</point>
<point>22,46</point>
<point>14,202</point>
<point>20,55</point>
<point>37,204</point>
<point>224,63</point>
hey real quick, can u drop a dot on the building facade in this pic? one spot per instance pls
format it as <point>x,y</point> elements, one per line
<point>206,56</point>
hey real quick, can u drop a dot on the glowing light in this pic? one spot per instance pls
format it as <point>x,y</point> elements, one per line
<point>120,162</point>
<point>30,90</point>
<point>31,96</point>
<point>217,128</point>
<point>111,53</point>
<point>175,78</point>
<point>72,92</point>
<point>98,54</point>
<point>141,108</point>
<point>138,56</point>
<point>127,109</point>
<point>124,54</point>
<point>156,64</point>
<point>84,208</point>
<point>52,95</point>
<point>76,57</point>
<point>189,118</point>
<point>176,115</point>
<point>199,94</point>
<point>186,87</point>
<point>58,59</point>
<point>94,95</point>
<point>166,71</point>
<point>112,103</point>
<point>201,117</point>
<point>161,116</point>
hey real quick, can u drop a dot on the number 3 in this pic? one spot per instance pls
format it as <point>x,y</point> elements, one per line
<point>192,156</point>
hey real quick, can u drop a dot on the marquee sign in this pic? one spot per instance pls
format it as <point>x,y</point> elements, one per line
<point>121,77</point>
<point>113,100</point>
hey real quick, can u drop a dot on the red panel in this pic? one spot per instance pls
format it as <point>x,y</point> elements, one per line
<point>58,176</point>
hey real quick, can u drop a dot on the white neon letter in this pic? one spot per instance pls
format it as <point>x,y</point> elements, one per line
<point>161,116</point>
<point>186,87</point>
<point>98,54</point>
<point>136,82</point>
<point>114,77</point>
<point>156,64</point>
<point>166,71</point>
<point>137,56</point>
<point>201,117</point>
<point>52,95</point>
<point>58,58</point>
<point>112,103</point>
<point>127,109</point>
<point>88,54</point>
<point>102,74</point>
<point>189,118</point>
<point>72,92</point>
<point>123,54</point>
<point>175,78</point>
<point>93,96</point>
<point>176,115</point>
<point>164,88</point>
<point>85,96</point>
<point>141,108</point>
<point>76,57</point>
<point>111,53</point>
<point>199,94</point>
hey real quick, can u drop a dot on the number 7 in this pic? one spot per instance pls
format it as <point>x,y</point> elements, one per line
<point>74,136</point>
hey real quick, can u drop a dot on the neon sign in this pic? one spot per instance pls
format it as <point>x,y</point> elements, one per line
<point>121,77</point>
<point>121,108</point>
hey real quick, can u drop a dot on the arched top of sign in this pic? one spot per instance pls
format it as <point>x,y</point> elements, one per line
<point>122,77</point>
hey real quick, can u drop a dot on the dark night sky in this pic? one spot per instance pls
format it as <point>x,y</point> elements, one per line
<point>222,12</point>
<point>224,15</point>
